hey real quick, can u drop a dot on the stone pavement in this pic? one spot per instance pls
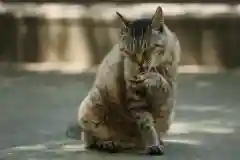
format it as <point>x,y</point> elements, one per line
<point>35,109</point>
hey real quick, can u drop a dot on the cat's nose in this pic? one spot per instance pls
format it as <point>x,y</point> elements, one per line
<point>139,58</point>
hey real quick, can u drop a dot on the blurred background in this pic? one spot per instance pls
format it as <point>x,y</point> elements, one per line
<point>49,52</point>
<point>81,33</point>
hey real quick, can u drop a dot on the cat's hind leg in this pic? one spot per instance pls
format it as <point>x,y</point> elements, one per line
<point>96,134</point>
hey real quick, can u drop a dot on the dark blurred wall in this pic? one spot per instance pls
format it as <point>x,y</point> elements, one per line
<point>28,38</point>
<point>124,1</point>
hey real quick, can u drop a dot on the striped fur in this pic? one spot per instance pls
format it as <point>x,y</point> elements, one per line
<point>114,113</point>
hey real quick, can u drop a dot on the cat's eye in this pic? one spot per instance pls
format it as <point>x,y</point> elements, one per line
<point>159,48</point>
<point>160,52</point>
<point>127,52</point>
<point>149,49</point>
<point>159,45</point>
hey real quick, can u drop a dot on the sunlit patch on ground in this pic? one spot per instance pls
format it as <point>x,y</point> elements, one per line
<point>181,128</point>
<point>49,147</point>
<point>181,140</point>
<point>30,148</point>
<point>73,148</point>
<point>203,108</point>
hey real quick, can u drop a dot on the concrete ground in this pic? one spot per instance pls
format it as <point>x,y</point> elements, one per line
<point>35,109</point>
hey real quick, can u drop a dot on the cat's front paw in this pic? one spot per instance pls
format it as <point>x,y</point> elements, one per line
<point>154,150</point>
<point>108,146</point>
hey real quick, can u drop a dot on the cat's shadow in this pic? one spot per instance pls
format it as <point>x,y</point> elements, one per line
<point>173,150</point>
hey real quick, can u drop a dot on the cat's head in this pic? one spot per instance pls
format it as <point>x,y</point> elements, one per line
<point>142,37</point>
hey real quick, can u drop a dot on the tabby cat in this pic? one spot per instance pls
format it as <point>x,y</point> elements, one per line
<point>130,104</point>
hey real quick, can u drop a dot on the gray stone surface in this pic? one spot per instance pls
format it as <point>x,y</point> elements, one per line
<point>35,109</point>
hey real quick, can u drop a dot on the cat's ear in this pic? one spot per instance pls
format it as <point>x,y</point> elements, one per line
<point>158,19</point>
<point>124,21</point>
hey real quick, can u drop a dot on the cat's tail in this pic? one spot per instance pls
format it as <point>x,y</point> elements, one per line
<point>74,131</point>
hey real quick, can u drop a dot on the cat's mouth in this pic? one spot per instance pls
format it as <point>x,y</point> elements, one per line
<point>139,59</point>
